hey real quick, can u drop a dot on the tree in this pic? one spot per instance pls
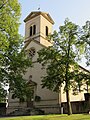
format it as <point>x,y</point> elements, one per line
<point>61,60</point>
<point>85,38</point>
<point>85,41</point>
<point>13,60</point>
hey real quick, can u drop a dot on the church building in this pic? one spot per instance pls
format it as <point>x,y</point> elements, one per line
<point>38,25</point>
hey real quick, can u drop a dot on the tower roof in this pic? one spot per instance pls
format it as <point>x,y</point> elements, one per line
<point>36,13</point>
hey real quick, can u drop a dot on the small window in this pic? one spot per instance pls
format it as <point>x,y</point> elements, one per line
<point>31,31</point>
<point>34,29</point>
<point>46,31</point>
<point>31,52</point>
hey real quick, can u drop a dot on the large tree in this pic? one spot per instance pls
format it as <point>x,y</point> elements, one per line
<point>13,61</point>
<point>85,39</point>
<point>61,60</point>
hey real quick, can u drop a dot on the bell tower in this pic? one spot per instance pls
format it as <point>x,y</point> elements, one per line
<point>38,25</point>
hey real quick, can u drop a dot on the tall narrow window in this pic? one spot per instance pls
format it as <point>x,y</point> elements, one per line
<point>46,31</point>
<point>31,31</point>
<point>34,29</point>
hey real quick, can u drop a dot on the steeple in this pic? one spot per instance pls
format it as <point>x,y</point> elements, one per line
<point>38,25</point>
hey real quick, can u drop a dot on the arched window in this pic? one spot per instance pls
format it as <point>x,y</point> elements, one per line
<point>46,31</point>
<point>34,29</point>
<point>31,31</point>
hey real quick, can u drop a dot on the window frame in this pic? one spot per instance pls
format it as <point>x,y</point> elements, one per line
<point>46,30</point>
<point>32,30</point>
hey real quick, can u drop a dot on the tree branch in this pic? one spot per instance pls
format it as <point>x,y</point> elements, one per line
<point>3,4</point>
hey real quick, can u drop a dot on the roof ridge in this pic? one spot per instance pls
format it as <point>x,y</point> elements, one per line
<point>44,14</point>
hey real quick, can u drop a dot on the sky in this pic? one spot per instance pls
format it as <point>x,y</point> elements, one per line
<point>78,11</point>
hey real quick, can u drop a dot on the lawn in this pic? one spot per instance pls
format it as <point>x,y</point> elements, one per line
<point>51,117</point>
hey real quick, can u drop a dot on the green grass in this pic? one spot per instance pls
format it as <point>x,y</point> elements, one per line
<point>51,117</point>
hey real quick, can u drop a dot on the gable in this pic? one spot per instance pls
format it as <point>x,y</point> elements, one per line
<point>34,44</point>
<point>34,14</point>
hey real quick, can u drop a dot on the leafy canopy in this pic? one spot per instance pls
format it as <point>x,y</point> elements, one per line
<point>86,41</point>
<point>65,49</point>
<point>13,61</point>
<point>61,60</point>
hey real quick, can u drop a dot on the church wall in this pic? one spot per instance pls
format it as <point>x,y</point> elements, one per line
<point>78,97</point>
<point>45,42</point>
<point>37,48</point>
<point>33,21</point>
<point>43,25</point>
<point>43,38</point>
<point>36,71</point>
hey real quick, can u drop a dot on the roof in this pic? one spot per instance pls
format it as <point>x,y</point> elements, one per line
<point>28,42</point>
<point>36,13</point>
<point>84,69</point>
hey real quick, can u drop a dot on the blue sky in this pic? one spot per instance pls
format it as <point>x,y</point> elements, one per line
<point>78,11</point>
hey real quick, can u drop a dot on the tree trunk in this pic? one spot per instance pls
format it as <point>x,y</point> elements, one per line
<point>67,78</point>
<point>68,103</point>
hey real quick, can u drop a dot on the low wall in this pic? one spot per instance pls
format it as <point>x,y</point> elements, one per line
<point>77,107</point>
<point>2,109</point>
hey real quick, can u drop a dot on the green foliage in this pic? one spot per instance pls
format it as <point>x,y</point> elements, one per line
<point>13,61</point>
<point>3,94</point>
<point>64,50</point>
<point>23,91</point>
<point>86,41</point>
<point>61,60</point>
